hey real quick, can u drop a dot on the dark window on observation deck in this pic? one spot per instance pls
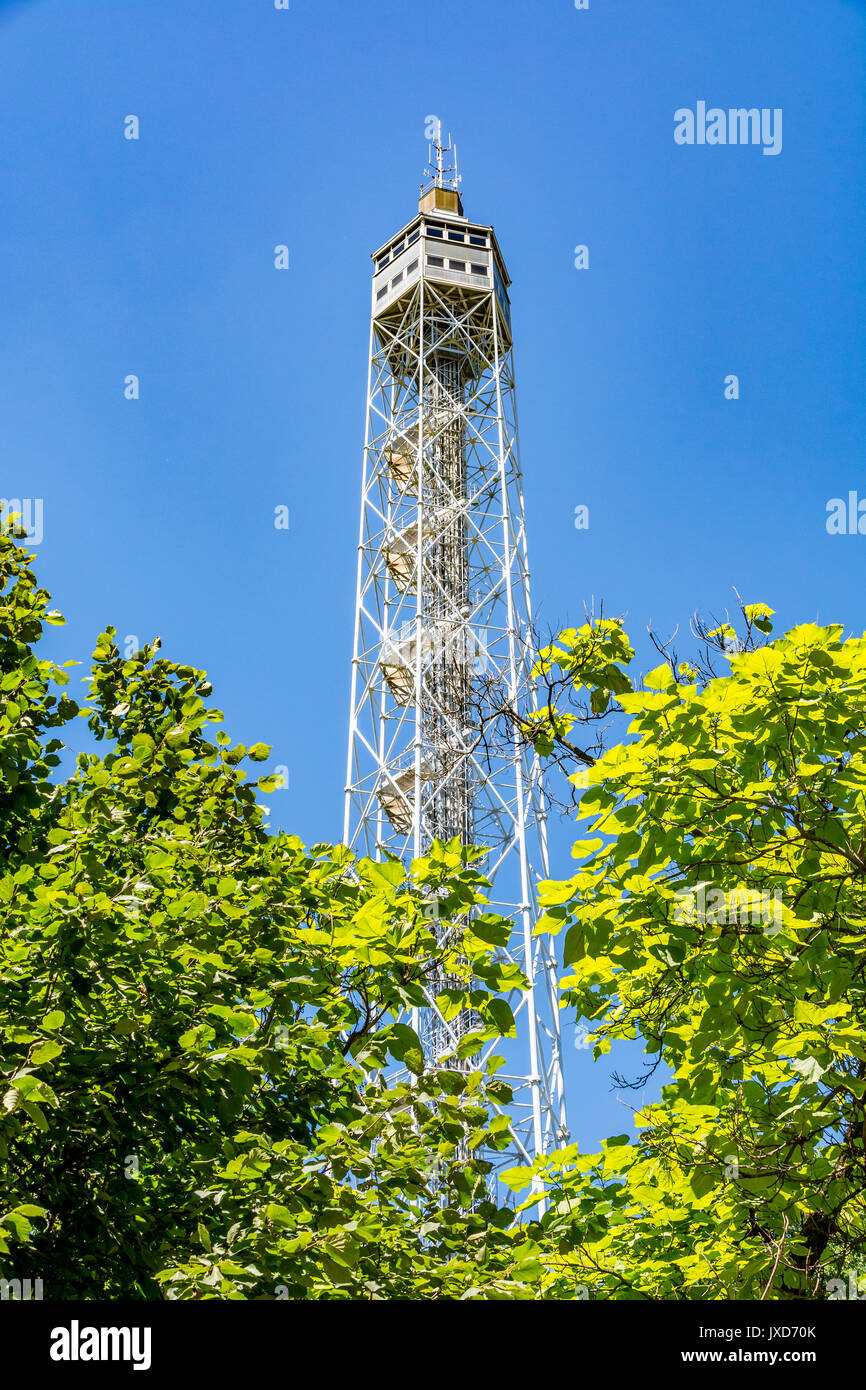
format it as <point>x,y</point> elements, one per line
<point>479,269</point>
<point>435,260</point>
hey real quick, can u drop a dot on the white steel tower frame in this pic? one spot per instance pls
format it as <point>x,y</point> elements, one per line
<point>442,503</point>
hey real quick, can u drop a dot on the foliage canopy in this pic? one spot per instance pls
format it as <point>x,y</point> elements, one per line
<point>719,914</point>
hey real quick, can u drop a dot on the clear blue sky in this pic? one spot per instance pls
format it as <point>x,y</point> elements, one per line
<point>305,127</point>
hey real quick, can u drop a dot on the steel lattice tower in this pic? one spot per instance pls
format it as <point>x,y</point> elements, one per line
<point>442,615</point>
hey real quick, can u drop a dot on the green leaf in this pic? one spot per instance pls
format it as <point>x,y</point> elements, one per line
<point>500,1014</point>
<point>278,1215</point>
<point>405,1045</point>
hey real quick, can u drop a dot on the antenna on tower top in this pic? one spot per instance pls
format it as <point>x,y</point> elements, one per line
<point>441,170</point>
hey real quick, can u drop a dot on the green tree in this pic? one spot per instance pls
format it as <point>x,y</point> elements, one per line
<point>194,1015</point>
<point>719,913</point>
